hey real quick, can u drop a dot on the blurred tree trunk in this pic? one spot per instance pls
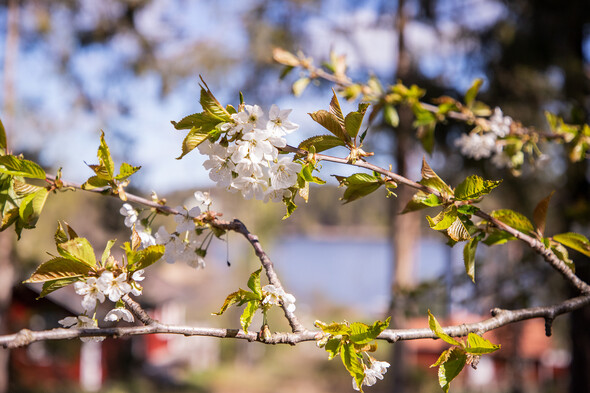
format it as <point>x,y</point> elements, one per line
<point>404,229</point>
<point>6,283</point>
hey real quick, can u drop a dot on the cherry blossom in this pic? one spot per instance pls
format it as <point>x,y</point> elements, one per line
<point>92,291</point>
<point>114,287</point>
<point>119,313</point>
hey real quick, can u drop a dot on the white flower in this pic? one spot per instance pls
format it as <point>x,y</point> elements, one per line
<point>220,165</point>
<point>130,214</point>
<point>500,124</point>
<point>274,295</point>
<point>278,122</point>
<point>82,322</point>
<point>185,219</point>
<point>137,276</point>
<point>372,374</point>
<point>119,313</point>
<point>92,293</point>
<point>277,195</point>
<point>283,174</point>
<point>477,146</point>
<point>256,146</point>
<point>203,200</point>
<point>197,263</point>
<point>145,236</point>
<point>250,187</point>
<point>114,287</point>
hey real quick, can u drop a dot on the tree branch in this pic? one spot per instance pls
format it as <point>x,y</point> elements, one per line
<point>499,318</point>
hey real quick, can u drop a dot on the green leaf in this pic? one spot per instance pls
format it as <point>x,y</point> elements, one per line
<point>472,92</point>
<point>561,252</point>
<point>240,297</point>
<point>478,345</point>
<point>444,219</point>
<point>358,186</point>
<point>352,363</point>
<point>321,143</point>
<point>514,220</point>
<point>335,328</point>
<point>125,171</point>
<point>2,139</point>
<point>193,139</point>
<point>211,105</point>
<point>469,257</point>
<point>457,231</point>
<point>451,367</point>
<point>331,123</point>
<point>248,314</point>
<point>203,121</point>
<point>254,283</point>
<point>54,285</point>
<point>390,115</point>
<point>104,157</point>
<point>299,86</point>
<point>437,329</point>
<point>335,109</point>
<point>421,200</point>
<point>363,334</point>
<point>31,207</point>
<point>78,249</point>
<point>147,256</point>
<point>95,182</point>
<point>575,241</point>
<point>431,179</point>
<point>333,347</point>
<point>474,187</point>
<point>15,166</point>
<point>497,237</point>
<point>63,235</point>
<point>58,268</point>
<point>353,121</point>
<point>107,251</point>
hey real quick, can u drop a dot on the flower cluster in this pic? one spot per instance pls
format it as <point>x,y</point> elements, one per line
<point>247,159</point>
<point>372,374</point>
<point>484,144</point>
<point>274,295</point>
<point>181,244</point>
<point>95,290</point>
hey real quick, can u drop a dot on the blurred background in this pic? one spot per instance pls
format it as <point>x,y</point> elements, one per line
<point>72,68</point>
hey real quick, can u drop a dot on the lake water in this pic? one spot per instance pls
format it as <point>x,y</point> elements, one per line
<point>350,271</point>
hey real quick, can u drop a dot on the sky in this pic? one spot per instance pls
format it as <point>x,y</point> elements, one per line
<point>66,133</point>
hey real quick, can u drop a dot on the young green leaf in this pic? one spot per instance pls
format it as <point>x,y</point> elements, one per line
<point>457,231</point>
<point>472,92</point>
<point>107,251</point>
<point>330,123</point>
<point>469,257</point>
<point>333,347</point>
<point>31,207</point>
<point>474,187</point>
<point>390,115</point>
<point>321,143</point>
<point>335,328</point>
<point>359,185</point>
<point>248,314</point>
<point>421,200</point>
<point>146,257</point>
<point>363,334</point>
<point>15,166</point>
<point>125,171</point>
<point>59,268</point>
<point>431,179</point>
<point>451,367</point>
<point>514,220</point>
<point>240,297</point>
<point>352,363</point>
<point>95,182</point>
<point>193,139</point>
<point>575,241</point>
<point>478,345</point>
<point>2,139</point>
<point>335,109</point>
<point>254,283</point>
<point>104,157</point>
<point>444,219</point>
<point>540,213</point>
<point>78,249</point>
<point>353,121</point>
<point>211,105</point>
<point>54,285</point>
<point>437,329</point>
